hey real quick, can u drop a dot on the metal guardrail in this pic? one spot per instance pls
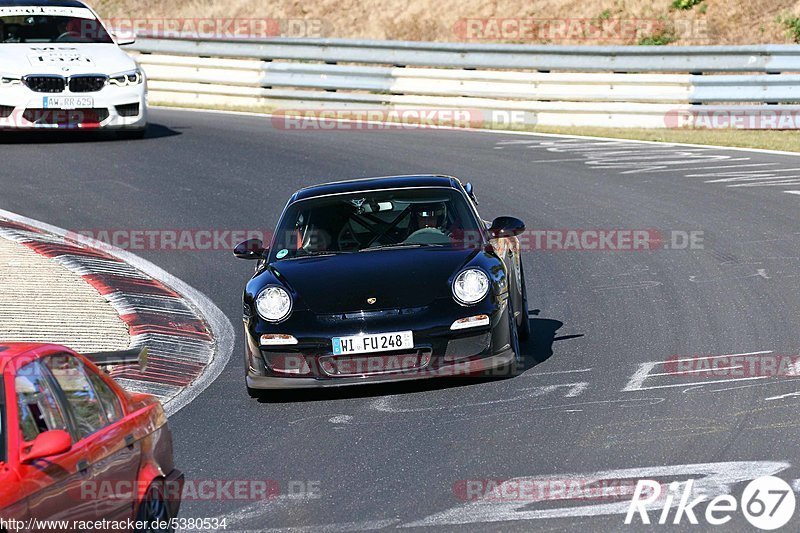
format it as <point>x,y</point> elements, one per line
<point>615,86</point>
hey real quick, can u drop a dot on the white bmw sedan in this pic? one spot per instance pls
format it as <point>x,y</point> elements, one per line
<point>61,69</point>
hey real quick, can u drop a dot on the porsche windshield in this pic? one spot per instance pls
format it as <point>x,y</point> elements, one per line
<point>378,219</point>
<point>51,29</point>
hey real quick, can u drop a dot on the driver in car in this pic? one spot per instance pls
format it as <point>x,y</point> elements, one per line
<point>429,216</point>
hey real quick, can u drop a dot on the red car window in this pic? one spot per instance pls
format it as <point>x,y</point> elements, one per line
<point>39,411</point>
<point>108,398</point>
<point>81,397</point>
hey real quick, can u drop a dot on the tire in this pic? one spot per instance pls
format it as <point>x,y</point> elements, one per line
<point>525,323</point>
<point>518,364</point>
<point>154,508</point>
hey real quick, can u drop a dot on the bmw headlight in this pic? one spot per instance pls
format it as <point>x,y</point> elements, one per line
<point>274,304</point>
<point>8,81</point>
<point>134,77</point>
<point>471,286</point>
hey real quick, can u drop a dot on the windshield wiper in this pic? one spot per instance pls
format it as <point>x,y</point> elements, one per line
<point>398,245</point>
<point>315,254</point>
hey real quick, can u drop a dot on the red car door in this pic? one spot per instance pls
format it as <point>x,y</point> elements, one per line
<point>112,452</point>
<point>53,485</point>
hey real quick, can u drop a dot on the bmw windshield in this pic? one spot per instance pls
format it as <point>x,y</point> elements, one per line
<point>366,221</point>
<point>21,24</point>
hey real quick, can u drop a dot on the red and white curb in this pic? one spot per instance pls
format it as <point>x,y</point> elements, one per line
<point>190,340</point>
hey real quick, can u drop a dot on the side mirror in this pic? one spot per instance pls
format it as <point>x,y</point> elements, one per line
<point>252,249</point>
<point>471,192</point>
<point>506,227</point>
<point>48,444</point>
<point>123,40</point>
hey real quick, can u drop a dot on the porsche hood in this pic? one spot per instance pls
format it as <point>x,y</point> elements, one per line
<point>393,278</point>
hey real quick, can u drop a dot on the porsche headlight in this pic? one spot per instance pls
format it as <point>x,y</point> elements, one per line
<point>274,304</point>
<point>134,77</point>
<point>471,286</point>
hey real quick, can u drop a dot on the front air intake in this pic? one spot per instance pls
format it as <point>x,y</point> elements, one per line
<point>87,84</point>
<point>45,84</point>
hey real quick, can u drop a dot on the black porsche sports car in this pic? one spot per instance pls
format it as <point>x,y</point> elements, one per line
<point>383,279</point>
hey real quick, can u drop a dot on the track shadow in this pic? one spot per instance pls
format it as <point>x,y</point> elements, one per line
<point>536,350</point>
<point>539,347</point>
<point>154,131</point>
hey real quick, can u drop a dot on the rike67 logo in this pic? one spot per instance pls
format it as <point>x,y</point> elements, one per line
<point>767,503</point>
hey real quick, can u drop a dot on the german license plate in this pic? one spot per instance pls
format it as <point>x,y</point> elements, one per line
<point>68,102</point>
<point>377,342</point>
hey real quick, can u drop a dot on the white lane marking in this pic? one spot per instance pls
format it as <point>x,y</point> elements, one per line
<point>794,180</point>
<point>630,388</point>
<point>341,419</point>
<point>782,396</point>
<point>384,404</point>
<point>763,384</point>
<point>537,161</point>
<point>721,166</point>
<point>710,479</point>
<point>221,328</point>
<point>688,359</point>
<point>670,158</point>
<point>792,192</point>
<point>367,525</point>
<point>256,512</point>
<point>744,175</point>
<point>554,372</point>
<point>629,286</point>
<point>697,371</point>
<point>636,382</point>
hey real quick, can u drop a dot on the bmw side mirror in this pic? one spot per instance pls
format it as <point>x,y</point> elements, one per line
<point>48,444</point>
<point>506,227</point>
<point>125,39</point>
<point>251,249</point>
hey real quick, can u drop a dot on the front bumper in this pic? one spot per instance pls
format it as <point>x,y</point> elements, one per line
<point>438,352</point>
<point>112,108</point>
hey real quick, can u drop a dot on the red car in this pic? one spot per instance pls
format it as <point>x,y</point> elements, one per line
<point>75,446</point>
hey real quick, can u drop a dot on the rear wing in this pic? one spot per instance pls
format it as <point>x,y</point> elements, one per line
<point>124,357</point>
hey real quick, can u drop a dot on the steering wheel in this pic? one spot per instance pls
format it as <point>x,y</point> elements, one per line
<point>428,236</point>
<point>66,34</point>
<point>347,238</point>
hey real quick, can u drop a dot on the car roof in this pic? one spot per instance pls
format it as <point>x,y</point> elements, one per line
<point>42,3</point>
<point>10,350</point>
<point>371,184</point>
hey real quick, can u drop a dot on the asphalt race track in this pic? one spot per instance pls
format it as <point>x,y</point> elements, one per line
<point>607,322</point>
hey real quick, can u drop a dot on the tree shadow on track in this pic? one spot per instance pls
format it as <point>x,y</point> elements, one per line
<point>154,131</point>
<point>536,350</point>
